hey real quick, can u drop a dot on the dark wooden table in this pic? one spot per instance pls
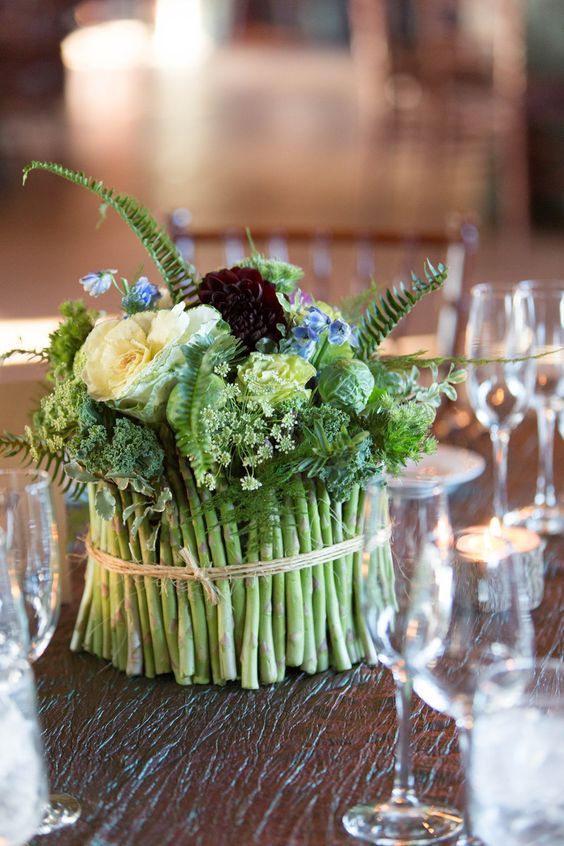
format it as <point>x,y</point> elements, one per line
<point>156,764</point>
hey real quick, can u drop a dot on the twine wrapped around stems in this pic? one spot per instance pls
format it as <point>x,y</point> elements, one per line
<point>206,576</point>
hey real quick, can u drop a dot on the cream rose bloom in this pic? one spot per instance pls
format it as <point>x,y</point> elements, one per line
<point>131,364</point>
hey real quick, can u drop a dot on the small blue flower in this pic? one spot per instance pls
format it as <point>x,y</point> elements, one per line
<point>98,282</point>
<point>305,349</point>
<point>316,319</point>
<point>339,332</point>
<point>305,333</point>
<point>141,296</point>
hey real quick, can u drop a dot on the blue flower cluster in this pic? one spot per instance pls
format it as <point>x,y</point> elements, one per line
<point>98,282</point>
<point>317,323</point>
<point>141,296</point>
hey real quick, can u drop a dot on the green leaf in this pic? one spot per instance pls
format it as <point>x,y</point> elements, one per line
<point>179,276</point>
<point>199,387</point>
<point>386,312</point>
<point>105,504</point>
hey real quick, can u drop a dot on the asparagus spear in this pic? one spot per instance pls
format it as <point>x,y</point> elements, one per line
<point>225,630</point>
<point>309,664</point>
<point>318,582</point>
<point>156,624</point>
<point>340,655</point>
<point>249,663</point>
<point>134,659</point>
<point>205,561</point>
<point>139,582</point>
<point>294,599</point>
<point>278,601</point>
<point>267,656</point>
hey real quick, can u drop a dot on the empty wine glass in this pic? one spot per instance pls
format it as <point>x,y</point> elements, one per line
<point>546,515</point>
<point>23,783</point>
<point>488,623</point>
<point>500,326</point>
<point>32,557</point>
<point>419,556</point>
<point>517,763</point>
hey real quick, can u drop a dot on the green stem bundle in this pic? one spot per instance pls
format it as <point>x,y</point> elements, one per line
<point>312,618</point>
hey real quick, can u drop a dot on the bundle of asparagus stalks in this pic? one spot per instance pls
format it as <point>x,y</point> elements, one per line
<point>256,627</point>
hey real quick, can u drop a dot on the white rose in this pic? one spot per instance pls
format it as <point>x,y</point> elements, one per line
<point>131,364</point>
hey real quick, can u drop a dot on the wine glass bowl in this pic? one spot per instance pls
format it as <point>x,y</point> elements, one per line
<point>546,514</point>
<point>30,532</point>
<point>500,382</point>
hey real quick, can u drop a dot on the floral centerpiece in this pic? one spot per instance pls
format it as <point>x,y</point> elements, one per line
<point>225,428</point>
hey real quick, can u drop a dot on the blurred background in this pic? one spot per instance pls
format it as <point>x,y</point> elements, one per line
<point>357,136</point>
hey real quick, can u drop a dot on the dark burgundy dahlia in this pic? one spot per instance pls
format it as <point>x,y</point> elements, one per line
<point>246,301</point>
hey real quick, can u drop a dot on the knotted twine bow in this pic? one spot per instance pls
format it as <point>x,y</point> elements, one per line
<point>206,576</point>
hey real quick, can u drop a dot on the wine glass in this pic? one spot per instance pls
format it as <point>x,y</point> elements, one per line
<point>489,622</point>
<point>31,549</point>
<point>500,326</point>
<point>419,555</point>
<point>517,761</point>
<point>546,515</point>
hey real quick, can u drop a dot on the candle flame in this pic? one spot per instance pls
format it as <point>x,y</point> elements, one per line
<point>495,528</point>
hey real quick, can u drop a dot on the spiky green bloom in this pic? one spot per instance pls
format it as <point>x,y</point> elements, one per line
<point>283,275</point>
<point>400,431</point>
<point>68,338</point>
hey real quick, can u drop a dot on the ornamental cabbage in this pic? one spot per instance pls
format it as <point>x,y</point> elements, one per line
<point>276,378</point>
<point>346,383</point>
<point>131,364</point>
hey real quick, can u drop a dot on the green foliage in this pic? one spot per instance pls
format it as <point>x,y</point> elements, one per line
<point>284,276</point>
<point>12,446</point>
<point>399,431</point>
<point>180,277</point>
<point>199,386</point>
<point>124,452</point>
<point>388,309</point>
<point>68,338</point>
<point>407,384</point>
<point>332,453</point>
<point>354,306</point>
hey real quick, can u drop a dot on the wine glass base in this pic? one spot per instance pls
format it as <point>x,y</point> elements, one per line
<point>390,824</point>
<point>62,810</point>
<point>465,840</point>
<point>542,519</point>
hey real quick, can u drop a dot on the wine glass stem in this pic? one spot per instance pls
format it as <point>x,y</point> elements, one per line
<point>465,744</point>
<point>404,783</point>
<point>546,421</point>
<point>500,443</point>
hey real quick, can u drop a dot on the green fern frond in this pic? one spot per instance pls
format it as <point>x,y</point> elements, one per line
<point>32,355</point>
<point>179,276</point>
<point>386,312</point>
<point>12,446</point>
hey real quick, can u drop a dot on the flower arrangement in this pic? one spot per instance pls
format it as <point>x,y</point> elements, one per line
<point>229,421</point>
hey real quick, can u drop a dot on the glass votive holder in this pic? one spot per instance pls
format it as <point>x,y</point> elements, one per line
<point>23,783</point>
<point>517,754</point>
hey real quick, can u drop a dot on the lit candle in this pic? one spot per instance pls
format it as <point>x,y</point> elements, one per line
<point>491,544</point>
<point>483,543</point>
